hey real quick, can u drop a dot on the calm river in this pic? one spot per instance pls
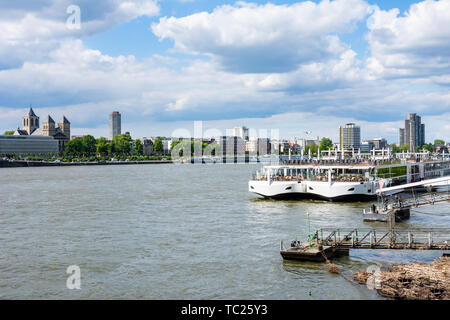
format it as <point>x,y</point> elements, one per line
<point>171,232</point>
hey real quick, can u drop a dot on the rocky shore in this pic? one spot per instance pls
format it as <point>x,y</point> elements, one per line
<point>417,281</point>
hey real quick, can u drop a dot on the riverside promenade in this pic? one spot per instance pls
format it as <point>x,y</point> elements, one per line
<point>29,163</point>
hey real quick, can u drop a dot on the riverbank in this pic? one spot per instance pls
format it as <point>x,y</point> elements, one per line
<point>417,281</point>
<point>29,163</point>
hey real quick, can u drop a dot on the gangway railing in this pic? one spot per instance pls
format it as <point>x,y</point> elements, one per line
<point>419,239</point>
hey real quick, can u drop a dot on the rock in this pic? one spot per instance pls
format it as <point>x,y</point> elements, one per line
<point>417,281</point>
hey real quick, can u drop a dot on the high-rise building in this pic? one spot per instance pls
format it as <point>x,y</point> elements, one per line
<point>413,133</point>
<point>350,136</point>
<point>114,124</point>
<point>241,132</point>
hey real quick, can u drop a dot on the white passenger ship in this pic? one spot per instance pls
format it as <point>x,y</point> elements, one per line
<point>336,181</point>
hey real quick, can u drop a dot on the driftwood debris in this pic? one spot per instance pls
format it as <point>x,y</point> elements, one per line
<point>417,281</point>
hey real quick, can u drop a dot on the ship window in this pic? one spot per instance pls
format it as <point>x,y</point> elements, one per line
<point>251,187</point>
<point>310,188</point>
<point>288,188</point>
<point>351,189</point>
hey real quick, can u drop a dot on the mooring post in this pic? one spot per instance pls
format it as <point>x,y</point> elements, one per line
<point>409,239</point>
<point>430,240</point>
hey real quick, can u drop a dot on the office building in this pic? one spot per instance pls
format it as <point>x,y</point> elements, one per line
<point>115,123</point>
<point>230,145</point>
<point>241,132</point>
<point>259,146</point>
<point>377,143</point>
<point>350,136</point>
<point>28,144</point>
<point>413,132</point>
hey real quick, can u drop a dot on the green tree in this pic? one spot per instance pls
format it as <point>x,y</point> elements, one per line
<point>138,147</point>
<point>9,133</point>
<point>121,143</point>
<point>103,146</point>
<point>404,147</point>
<point>428,147</point>
<point>158,146</point>
<point>313,149</point>
<point>74,146</point>
<point>181,147</point>
<point>439,142</point>
<point>174,144</point>
<point>89,144</point>
<point>326,144</point>
<point>395,148</point>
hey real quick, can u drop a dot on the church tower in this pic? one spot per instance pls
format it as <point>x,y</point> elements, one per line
<point>30,122</point>
<point>64,127</point>
<point>48,127</point>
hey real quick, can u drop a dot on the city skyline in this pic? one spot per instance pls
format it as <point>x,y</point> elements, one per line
<point>349,134</point>
<point>311,78</point>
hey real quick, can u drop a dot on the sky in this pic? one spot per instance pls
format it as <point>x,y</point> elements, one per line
<point>300,67</point>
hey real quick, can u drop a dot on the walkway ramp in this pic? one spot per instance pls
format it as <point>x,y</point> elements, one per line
<point>417,239</point>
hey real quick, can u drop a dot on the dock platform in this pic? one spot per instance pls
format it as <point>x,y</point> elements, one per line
<point>331,242</point>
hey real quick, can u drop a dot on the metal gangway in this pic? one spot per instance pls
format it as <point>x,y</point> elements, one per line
<point>416,200</point>
<point>416,239</point>
<point>423,200</point>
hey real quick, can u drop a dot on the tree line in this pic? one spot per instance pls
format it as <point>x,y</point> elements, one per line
<point>121,144</point>
<point>431,147</point>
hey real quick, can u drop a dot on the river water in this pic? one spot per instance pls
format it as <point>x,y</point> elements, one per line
<point>171,232</point>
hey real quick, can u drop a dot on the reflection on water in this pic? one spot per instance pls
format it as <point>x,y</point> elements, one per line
<point>172,232</point>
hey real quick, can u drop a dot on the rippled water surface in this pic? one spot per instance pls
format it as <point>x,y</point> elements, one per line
<point>171,232</point>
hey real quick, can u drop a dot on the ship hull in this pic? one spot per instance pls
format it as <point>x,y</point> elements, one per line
<point>313,190</point>
<point>311,196</point>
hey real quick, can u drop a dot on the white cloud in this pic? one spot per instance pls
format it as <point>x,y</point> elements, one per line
<point>161,93</point>
<point>31,31</point>
<point>254,38</point>
<point>416,44</point>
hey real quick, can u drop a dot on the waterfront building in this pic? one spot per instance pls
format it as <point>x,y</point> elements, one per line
<point>281,146</point>
<point>230,145</point>
<point>413,132</point>
<point>303,143</point>
<point>30,127</point>
<point>167,145</point>
<point>350,136</point>
<point>442,148</point>
<point>115,123</point>
<point>259,146</point>
<point>241,132</point>
<point>28,144</point>
<point>378,143</point>
<point>366,146</point>
<point>147,146</point>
